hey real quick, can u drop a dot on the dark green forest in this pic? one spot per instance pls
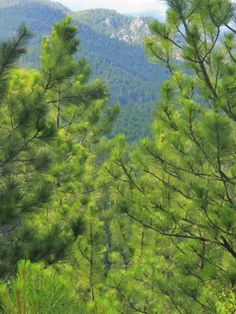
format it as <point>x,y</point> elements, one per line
<point>94,221</point>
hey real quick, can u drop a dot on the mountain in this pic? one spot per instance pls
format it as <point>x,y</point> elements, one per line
<point>39,16</point>
<point>121,64</point>
<point>122,27</point>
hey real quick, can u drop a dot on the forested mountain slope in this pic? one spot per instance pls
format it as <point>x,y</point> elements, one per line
<point>124,67</point>
<point>126,28</point>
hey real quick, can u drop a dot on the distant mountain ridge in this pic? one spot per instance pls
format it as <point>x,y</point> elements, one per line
<point>38,15</point>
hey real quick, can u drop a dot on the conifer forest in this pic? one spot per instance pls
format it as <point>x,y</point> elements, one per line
<point>117,181</point>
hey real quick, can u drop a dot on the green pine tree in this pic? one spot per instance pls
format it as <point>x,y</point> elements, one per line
<point>59,167</point>
<point>180,185</point>
<point>26,133</point>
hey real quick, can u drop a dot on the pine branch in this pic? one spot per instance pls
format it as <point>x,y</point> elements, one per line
<point>12,50</point>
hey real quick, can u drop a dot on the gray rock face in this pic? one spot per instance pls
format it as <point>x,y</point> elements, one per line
<point>134,31</point>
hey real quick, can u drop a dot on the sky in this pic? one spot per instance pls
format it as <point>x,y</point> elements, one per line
<point>122,6</point>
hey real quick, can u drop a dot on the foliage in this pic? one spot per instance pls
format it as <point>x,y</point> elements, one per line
<point>53,121</point>
<point>131,79</point>
<point>179,187</point>
<point>40,290</point>
<point>147,227</point>
<point>226,303</point>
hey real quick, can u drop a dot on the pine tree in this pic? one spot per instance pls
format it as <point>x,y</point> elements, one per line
<point>70,118</point>
<point>25,135</point>
<point>180,185</point>
<point>38,290</point>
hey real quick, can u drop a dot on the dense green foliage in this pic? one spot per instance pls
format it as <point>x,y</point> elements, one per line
<point>99,225</point>
<point>179,187</point>
<point>38,290</point>
<point>52,122</point>
<point>124,68</point>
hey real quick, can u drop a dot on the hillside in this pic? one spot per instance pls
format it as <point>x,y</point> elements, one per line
<point>132,80</point>
<point>126,28</point>
<point>39,16</point>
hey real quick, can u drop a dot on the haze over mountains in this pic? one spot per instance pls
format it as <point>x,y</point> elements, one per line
<point>111,42</point>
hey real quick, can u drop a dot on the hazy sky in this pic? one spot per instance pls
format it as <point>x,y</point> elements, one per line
<point>123,6</point>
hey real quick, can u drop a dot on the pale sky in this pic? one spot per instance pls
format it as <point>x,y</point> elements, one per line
<point>122,6</point>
